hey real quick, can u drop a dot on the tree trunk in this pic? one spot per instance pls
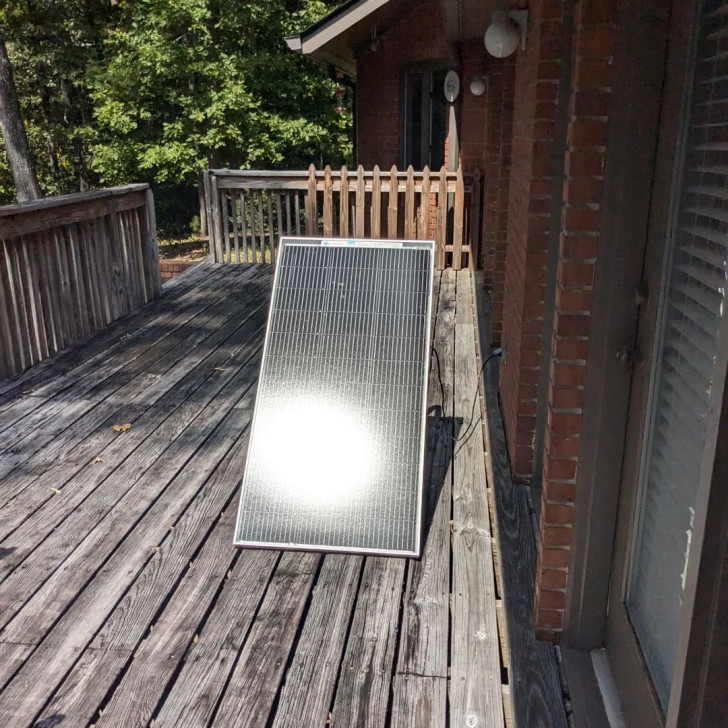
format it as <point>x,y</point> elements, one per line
<point>13,131</point>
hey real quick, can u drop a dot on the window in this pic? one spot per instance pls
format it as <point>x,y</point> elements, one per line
<point>425,118</point>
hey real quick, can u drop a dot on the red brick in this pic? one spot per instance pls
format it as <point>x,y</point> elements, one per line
<point>568,375</point>
<point>554,558</point>
<point>576,274</point>
<point>595,42</point>
<point>595,12</point>
<point>560,470</point>
<point>563,446</point>
<point>579,247</point>
<point>549,618</point>
<point>595,74</point>
<point>571,348</point>
<point>575,301</point>
<point>588,132</point>
<point>565,423</point>
<point>567,398</point>
<point>572,325</point>
<point>584,162</point>
<point>559,492</point>
<point>552,599</point>
<point>551,578</point>
<point>590,102</point>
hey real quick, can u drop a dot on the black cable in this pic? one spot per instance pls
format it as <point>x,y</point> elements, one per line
<point>439,379</point>
<point>473,423</point>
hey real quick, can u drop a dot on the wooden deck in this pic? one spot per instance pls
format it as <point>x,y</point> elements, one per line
<point>122,599</point>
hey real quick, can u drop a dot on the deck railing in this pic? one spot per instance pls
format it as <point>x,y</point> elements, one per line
<point>69,266</point>
<point>249,210</point>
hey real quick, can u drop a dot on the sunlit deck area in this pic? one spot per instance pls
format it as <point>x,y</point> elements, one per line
<point>122,599</point>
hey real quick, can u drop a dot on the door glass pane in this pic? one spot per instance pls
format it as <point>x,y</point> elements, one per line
<point>686,366</point>
<point>438,121</point>
<point>414,82</point>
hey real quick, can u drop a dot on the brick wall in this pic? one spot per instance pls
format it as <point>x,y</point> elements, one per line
<point>496,181</point>
<point>581,223</point>
<point>485,122</point>
<point>532,186</point>
<point>417,38</point>
<point>169,269</point>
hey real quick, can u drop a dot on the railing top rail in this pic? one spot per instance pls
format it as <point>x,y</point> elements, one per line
<point>48,203</point>
<point>320,174</point>
<point>300,180</point>
<point>23,218</point>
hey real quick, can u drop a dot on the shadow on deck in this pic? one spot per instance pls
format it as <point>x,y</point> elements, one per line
<point>122,599</point>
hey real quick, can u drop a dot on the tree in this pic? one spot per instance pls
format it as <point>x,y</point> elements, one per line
<point>158,90</point>
<point>13,132</point>
<point>188,84</point>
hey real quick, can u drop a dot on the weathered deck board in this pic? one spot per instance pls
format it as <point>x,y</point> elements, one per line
<point>426,603</point>
<point>362,692</point>
<point>475,688</point>
<point>311,677</point>
<point>143,423</point>
<point>55,410</point>
<point>253,685</point>
<point>122,599</point>
<point>535,689</point>
<point>195,694</point>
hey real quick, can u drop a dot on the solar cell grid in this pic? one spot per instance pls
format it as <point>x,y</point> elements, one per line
<point>335,460</point>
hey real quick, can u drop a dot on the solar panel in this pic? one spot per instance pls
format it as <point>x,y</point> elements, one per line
<point>336,454</point>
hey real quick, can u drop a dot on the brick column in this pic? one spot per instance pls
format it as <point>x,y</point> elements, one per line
<point>538,74</point>
<point>496,181</point>
<point>581,225</point>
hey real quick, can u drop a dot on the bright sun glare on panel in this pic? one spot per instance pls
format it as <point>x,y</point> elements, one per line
<point>315,453</point>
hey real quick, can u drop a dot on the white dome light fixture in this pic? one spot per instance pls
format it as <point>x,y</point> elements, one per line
<point>478,86</point>
<point>505,33</point>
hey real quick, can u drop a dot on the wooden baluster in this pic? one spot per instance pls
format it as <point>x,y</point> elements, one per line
<point>50,307</point>
<point>224,198</point>
<point>474,213</point>
<point>135,223</point>
<point>270,225</point>
<point>254,255</point>
<point>297,208</point>
<point>409,204</point>
<point>20,266</point>
<point>216,236</point>
<point>261,227</point>
<point>34,299</point>
<point>151,247</point>
<point>15,298</point>
<point>84,326</point>
<point>441,235</point>
<point>85,253</point>
<point>393,203</point>
<point>376,230</point>
<point>243,227</point>
<point>289,221</point>
<point>457,238</point>
<point>328,203</point>
<point>102,273</point>
<point>279,209</point>
<point>69,312</point>
<point>311,204</point>
<point>423,231</point>
<point>236,239</point>
<point>360,196</point>
<point>9,356</point>
<point>344,205</point>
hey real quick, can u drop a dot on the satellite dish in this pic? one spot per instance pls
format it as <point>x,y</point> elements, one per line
<point>451,86</point>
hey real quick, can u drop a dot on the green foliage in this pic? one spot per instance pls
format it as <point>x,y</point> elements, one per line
<point>158,90</point>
